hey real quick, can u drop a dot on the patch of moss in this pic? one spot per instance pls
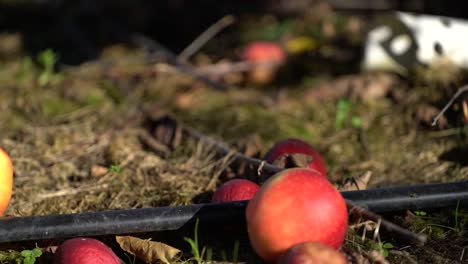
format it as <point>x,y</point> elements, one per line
<point>53,107</point>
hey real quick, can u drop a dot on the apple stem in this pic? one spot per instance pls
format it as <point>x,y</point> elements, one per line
<point>266,169</point>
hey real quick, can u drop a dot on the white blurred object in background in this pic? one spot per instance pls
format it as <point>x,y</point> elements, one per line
<point>412,40</point>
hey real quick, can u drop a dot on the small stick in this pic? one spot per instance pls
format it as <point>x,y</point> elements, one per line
<point>454,97</point>
<point>266,169</point>
<point>152,143</point>
<point>72,191</point>
<point>153,48</point>
<point>234,67</point>
<point>269,169</point>
<point>204,37</point>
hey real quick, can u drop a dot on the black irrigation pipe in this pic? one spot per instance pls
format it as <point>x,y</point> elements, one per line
<point>173,218</point>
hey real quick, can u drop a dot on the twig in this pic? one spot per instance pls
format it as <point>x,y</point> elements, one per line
<point>241,66</point>
<point>157,52</point>
<point>269,169</point>
<point>454,97</point>
<point>152,143</point>
<point>204,37</point>
<point>463,253</point>
<point>72,191</point>
<point>264,169</point>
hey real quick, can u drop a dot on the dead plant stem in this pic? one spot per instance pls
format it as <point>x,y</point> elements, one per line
<point>204,37</point>
<point>156,51</point>
<point>454,97</point>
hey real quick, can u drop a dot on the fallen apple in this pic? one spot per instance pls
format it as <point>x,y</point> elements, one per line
<point>297,153</point>
<point>235,190</point>
<point>312,253</point>
<point>294,206</point>
<point>85,251</point>
<point>269,55</point>
<point>6,180</point>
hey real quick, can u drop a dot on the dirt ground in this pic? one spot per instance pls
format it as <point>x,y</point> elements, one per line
<point>78,135</point>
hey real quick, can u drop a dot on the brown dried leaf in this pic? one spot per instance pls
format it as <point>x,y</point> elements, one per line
<point>281,161</point>
<point>356,183</point>
<point>300,160</point>
<point>295,160</point>
<point>409,217</point>
<point>148,251</point>
<point>163,128</point>
<point>98,171</point>
<point>50,249</point>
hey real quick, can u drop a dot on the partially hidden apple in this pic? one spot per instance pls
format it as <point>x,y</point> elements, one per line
<point>85,251</point>
<point>235,190</point>
<point>6,180</point>
<point>294,206</point>
<point>268,56</point>
<point>296,151</point>
<point>312,253</point>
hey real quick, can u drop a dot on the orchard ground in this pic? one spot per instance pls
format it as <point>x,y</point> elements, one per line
<point>73,134</point>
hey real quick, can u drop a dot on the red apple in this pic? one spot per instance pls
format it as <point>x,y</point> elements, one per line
<point>270,53</point>
<point>312,253</point>
<point>294,206</point>
<point>85,251</point>
<point>292,146</point>
<point>235,190</point>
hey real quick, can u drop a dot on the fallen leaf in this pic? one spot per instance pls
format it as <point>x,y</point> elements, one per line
<point>51,249</point>
<point>356,183</point>
<point>293,161</point>
<point>299,160</point>
<point>301,44</point>
<point>148,251</point>
<point>163,128</point>
<point>98,171</point>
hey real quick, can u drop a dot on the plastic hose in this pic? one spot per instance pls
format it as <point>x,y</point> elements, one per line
<point>173,218</point>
